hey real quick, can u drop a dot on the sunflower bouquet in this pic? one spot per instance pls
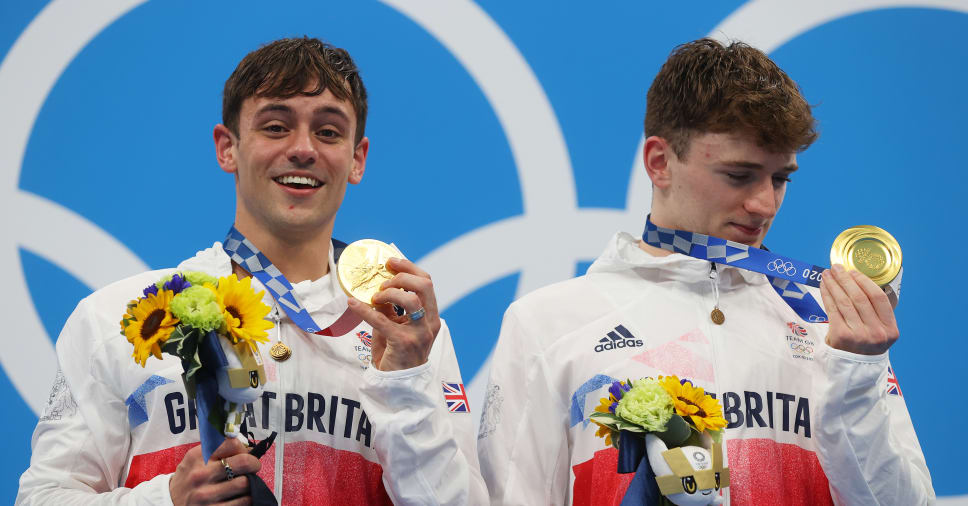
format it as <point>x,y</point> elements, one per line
<point>175,312</point>
<point>668,407</point>
<point>644,418</point>
<point>213,325</point>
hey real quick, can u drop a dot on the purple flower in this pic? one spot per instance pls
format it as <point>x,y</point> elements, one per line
<point>150,289</point>
<point>611,408</point>
<point>618,389</point>
<point>177,283</point>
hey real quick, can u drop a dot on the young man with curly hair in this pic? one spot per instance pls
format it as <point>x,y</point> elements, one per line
<point>807,424</point>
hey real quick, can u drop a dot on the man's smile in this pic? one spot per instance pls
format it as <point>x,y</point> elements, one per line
<point>298,182</point>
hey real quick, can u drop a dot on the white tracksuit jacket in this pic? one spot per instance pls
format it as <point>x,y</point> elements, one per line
<point>807,424</point>
<point>348,434</point>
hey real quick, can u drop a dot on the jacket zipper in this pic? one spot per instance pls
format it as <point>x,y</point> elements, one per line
<point>715,346</point>
<point>714,280</point>
<point>280,442</point>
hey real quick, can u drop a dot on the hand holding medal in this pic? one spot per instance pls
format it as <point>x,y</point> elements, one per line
<point>873,252</point>
<point>377,279</point>
<point>862,313</point>
<point>861,290</point>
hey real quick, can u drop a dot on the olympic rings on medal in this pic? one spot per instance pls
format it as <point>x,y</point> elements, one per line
<point>801,348</point>
<point>781,267</point>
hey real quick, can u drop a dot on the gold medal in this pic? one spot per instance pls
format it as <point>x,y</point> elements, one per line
<point>870,250</point>
<point>362,268</point>
<point>280,352</point>
<point>717,316</point>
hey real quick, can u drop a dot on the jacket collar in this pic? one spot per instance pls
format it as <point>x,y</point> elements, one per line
<point>623,253</point>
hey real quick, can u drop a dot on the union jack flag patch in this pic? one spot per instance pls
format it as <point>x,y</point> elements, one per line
<point>893,387</point>
<point>456,398</point>
<point>365,338</point>
<point>797,329</point>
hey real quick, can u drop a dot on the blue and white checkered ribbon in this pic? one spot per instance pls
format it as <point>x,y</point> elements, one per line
<point>787,276</point>
<point>244,253</point>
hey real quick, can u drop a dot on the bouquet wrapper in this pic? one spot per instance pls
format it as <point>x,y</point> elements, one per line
<point>208,403</point>
<point>632,458</point>
<point>206,395</point>
<point>211,418</point>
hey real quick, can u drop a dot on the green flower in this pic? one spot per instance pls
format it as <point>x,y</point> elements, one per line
<point>196,307</point>
<point>196,278</point>
<point>646,404</point>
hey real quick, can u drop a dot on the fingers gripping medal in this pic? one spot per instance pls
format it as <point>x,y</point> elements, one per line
<point>362,268</point>
<point>873,252</point>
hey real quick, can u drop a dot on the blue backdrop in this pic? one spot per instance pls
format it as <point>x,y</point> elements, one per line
<point>504,142</point>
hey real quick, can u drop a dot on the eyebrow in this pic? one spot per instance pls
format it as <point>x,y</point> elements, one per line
<point>756,166</point>
<point>326,109</point>
<point>274,107</point>
<point>332,109</point>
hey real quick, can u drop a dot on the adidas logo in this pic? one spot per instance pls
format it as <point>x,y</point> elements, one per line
<point>617,339</point>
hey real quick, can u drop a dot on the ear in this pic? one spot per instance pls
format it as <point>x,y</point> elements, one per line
<point>225,148</point>
<point>359,161</point>
<point>657,155</point>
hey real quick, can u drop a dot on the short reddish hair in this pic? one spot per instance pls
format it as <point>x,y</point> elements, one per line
<point>705,86</point>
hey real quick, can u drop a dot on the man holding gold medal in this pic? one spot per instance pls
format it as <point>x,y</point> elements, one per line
<point>810,405</point>
<point>355,397</point>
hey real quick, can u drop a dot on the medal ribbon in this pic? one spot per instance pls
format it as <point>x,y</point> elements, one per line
<point>244,253</point>
<point>787,276</point>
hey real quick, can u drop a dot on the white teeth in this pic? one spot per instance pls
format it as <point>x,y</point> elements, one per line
<point>298,180</point>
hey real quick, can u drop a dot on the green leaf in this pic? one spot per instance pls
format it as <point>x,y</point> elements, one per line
<point>694,439</point>
<point>676,431</point>
<point>631,427</point>
<point>717,436</point>
<point>604,417</point>
<point>174,341</point>
<point>610,424</point>
<point>183,343</point>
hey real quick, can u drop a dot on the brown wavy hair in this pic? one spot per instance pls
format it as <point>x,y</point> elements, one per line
<point>705,86</point>
<point>287,67</point>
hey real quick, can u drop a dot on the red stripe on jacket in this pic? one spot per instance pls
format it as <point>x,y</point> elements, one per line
<point>762,471</point>
<point>313,473</point>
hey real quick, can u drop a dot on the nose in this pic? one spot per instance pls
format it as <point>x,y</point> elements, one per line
<point>302,150</point>
<point>764,200</point>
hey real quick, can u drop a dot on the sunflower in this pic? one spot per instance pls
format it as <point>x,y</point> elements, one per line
<point>243,310</point>
<point>607,404</point>
<point>603,431</point>
<point>148,322</point>
<point>693,404</point>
